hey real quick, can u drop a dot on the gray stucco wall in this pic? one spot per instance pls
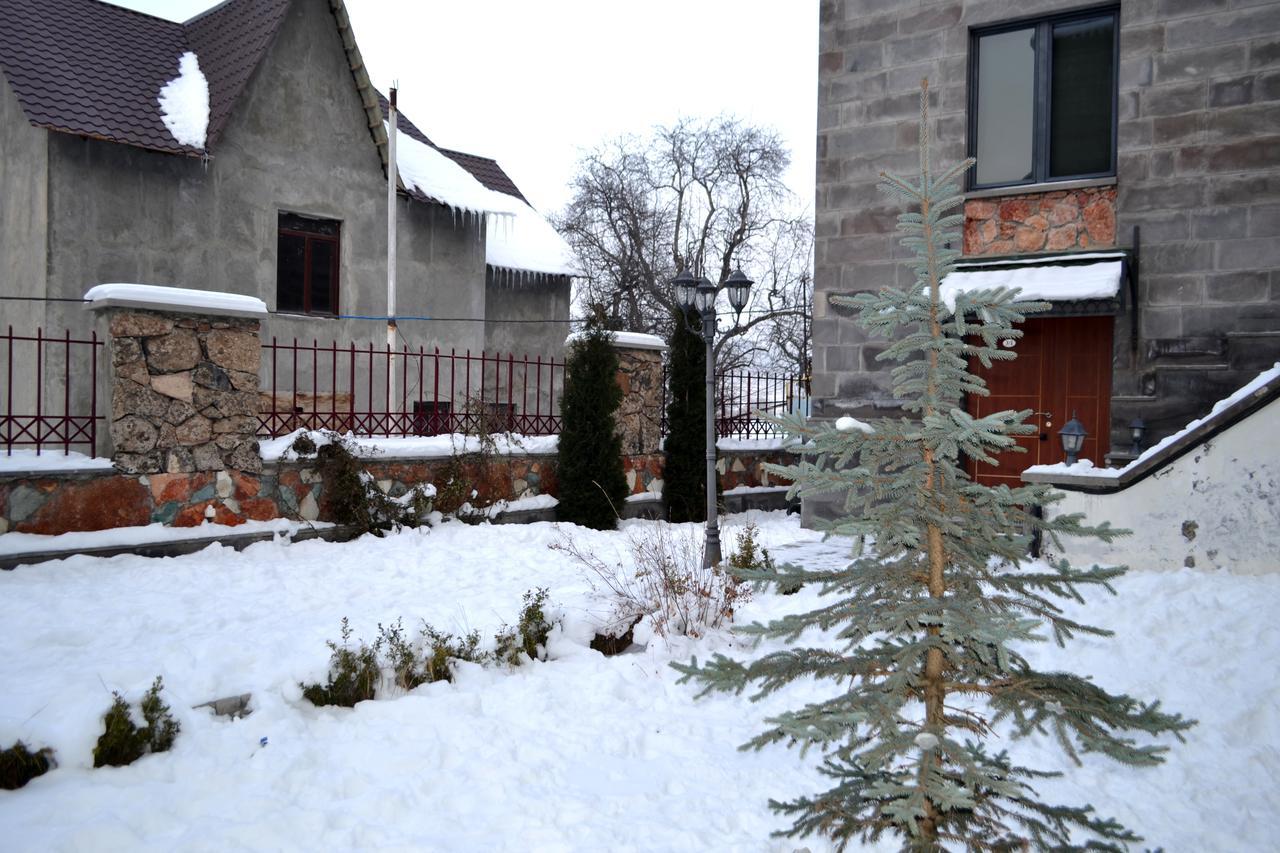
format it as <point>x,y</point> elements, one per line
<point>23,175</point>
<point>534,299</point>
<point>298,141</point>
<point>1199,171</point>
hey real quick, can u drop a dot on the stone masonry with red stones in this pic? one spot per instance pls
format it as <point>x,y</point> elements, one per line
<point>61,503</point>
<point>1042,222</point>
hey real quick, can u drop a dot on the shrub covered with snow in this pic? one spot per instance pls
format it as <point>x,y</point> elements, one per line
<point>19,765</point>
<point>124,741</point>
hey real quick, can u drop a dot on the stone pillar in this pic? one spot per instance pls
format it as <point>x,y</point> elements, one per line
<point>639,416</point>
<point>184,388</point>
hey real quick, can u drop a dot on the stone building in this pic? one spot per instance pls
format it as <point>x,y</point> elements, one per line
<point>245,151</point>
<point>1128,166</point>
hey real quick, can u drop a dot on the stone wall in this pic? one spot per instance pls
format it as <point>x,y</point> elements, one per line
<point>1041,222</point>
<point>59,503</point>
<point>639,416</point>
<point>184,392</point>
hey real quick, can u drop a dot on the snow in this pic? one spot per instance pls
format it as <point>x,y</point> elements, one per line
<point>848,424</point>
<point>410,447</point>
<point>526,504</point>
<point>527,242</point>
<point>1048,283</point>
<point>975,263</point>
<point>580,752</point>
<point>636,340</point>
<point>754,445</point>
<point>755,490</point>
<point>1085,467</point>
<point>184,103</point>
<point>51,460</point>
<point>426,170</point>
<point>176,297</point>
<point>14,544</point>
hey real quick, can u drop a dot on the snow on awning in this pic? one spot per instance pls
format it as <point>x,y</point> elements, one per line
<point>527,243</point>
<point>426,171</point>
<point>184,103</point>
<point>1044,279</point>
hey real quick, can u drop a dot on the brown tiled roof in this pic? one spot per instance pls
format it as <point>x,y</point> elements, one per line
<point>91,68</point>
<point>486,171</point>
<point>94,69</point>
<point>229,40</point>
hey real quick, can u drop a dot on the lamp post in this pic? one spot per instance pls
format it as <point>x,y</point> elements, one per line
<point>1073,435</point>
<point>699,294</point>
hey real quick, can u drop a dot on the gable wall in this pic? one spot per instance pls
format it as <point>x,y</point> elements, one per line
<point>1199,171</point>
<point>298,141</point>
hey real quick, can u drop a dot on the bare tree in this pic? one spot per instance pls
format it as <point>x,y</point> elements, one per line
<point>703,194</point>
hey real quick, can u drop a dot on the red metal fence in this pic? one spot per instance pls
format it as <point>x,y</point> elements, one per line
<point>351,388</point>
<point>51,392</point>
<point>743,398</point>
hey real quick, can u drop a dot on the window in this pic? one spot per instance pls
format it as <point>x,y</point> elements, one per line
<point>307,265</point>
<point>1042,100</point>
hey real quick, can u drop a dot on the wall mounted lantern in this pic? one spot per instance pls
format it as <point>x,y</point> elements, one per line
<point>1137,430</point>
<point>1073,435</point>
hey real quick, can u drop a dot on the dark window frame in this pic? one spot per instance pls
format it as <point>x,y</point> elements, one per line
<point>1043,111</point>
<point>312,230</point>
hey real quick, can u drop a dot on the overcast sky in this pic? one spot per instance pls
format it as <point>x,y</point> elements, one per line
<point>531,83</point>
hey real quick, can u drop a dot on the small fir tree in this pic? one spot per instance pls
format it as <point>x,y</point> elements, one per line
<point>929,622</point>
<point>593,485</point>
<point>684,473</point>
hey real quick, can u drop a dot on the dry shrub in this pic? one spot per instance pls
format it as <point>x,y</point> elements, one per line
<point>669,585</point>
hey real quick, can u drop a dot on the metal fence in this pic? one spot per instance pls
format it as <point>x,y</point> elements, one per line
<point>378,390</point>
<point>51,392</point>
<point>744,398</point>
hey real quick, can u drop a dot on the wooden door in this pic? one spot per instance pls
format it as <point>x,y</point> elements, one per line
<point>1063,368</point>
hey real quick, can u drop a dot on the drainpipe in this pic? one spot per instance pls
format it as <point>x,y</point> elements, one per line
<point>391,256</point>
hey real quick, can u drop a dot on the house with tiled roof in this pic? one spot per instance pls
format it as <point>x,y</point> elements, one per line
<point>245,150</point>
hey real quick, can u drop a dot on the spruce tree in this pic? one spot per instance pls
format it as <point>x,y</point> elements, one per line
<point>929,622</point>
<point>593,485</point>
<point>684,473</point>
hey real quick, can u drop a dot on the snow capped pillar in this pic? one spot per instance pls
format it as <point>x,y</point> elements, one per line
<point>184,378</point>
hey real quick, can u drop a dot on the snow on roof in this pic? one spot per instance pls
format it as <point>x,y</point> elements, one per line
<point>635,340</point>
<point>1039,283</point>
<point>426,171</point>
<point>184,103</point>
<point>149,295</point>
<point>526,241</point>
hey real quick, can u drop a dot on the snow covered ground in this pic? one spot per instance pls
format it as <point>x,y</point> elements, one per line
<point>581,752</point>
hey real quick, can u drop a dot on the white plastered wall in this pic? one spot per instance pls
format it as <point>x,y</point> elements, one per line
<point>1215,508</point>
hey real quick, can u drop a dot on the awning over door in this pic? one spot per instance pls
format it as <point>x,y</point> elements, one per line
<point>1086,276</point>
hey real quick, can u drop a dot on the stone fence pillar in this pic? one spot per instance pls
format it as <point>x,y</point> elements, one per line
<point>184,378</point>
<point>639,417</point>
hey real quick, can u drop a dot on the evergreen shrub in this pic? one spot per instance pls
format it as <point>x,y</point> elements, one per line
<point>123,741</point>
<point>19,765</point>
<point>593,485</point>
<point>684,473</point>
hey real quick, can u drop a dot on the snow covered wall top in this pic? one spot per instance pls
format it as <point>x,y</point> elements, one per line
<point>156,296</point>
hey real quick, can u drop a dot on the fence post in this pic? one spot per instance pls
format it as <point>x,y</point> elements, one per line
<point>184,383</point>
